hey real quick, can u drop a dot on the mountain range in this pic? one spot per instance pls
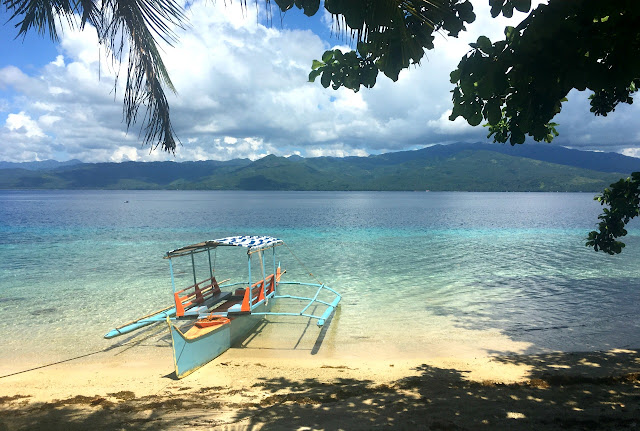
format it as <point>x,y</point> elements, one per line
<point>460,167</point>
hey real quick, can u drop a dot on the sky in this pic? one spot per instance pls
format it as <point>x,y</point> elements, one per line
<point>242,92</point>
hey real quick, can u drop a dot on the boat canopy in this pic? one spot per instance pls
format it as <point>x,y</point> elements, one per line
<point>252,243</point>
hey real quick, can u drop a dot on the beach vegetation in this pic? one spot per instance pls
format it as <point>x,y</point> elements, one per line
<point>516,85</point>
<point>623,199</point>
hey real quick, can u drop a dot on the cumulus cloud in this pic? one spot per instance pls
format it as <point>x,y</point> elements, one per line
<point>21,123</point>
<point>243,93</point>
<point>23,139</point>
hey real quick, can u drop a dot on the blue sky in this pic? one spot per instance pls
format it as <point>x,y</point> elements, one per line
<point>243,92</point>
<point>30,52</point>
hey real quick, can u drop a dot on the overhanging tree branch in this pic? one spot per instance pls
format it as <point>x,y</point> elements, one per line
<point>391,36</point>
<point>623,199</point>
<point>518,84</point>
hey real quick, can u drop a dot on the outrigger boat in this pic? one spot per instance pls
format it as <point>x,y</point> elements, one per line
<point>219,314</point>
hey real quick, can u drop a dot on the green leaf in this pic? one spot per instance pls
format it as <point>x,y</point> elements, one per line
<point>484,43</point>
<point>327,56</point>
<point>310,7</point>
<point>454,76</point>
<point>510,32</point>
<point>368,76</point>
<point>517,137</point>
<point>314,74</point>
<point>522,5</point>
<point>285,5</point>
<point>507,10</point>
<point>326,78</point>
<point>496,8</point>
<point>475,119</point>
<point>316,64</point>
<point>361,47</point>
<point>465,10</point>
<point>492,111</point>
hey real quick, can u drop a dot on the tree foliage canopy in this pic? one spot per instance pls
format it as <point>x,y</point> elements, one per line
<point>623,198</point>
<point>391,36</point>
<point>518,84</point>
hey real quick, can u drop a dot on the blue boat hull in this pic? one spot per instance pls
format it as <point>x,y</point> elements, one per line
<point>191,353</point>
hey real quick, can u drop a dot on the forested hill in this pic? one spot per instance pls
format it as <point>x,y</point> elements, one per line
<point>463,167</point>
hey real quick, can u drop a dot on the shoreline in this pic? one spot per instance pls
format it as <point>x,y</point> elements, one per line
<point>129,389</point>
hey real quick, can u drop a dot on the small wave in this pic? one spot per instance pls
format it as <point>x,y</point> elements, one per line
<point>9,299</point>
<point>44,311</point>
<point>548,328</point>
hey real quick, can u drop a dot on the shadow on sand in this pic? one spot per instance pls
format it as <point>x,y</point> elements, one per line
<point>564,391</point>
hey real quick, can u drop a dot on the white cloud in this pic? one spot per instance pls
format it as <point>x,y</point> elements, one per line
<point>55,91</point>
<point>336,150</point>
<point>445,126</point>
<point>44,106</point>
<point>124,154</point>
<point>23,139</point>
<point>22,123</point>
<point>59,61</point>
<point>11,76</point>
<point>631,152</point>
<point>579,128</point>
<point>48,120</point>
<point>243,92</point>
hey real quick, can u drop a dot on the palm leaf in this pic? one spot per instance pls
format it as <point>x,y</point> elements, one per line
<point>136,24</point>
<point>131,26</point>
<point>40,15</point>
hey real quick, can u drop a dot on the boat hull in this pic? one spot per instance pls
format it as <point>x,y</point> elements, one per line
<point>191,353</point>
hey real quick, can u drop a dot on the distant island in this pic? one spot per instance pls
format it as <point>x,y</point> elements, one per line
<point>476,167</point>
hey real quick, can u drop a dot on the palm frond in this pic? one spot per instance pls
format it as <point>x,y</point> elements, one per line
<point>131,25</point>
<point>136,24</point>
<point>40,15</point>
<point>88,11</point>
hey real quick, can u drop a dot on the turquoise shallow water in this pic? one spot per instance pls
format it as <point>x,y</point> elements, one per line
<point>418,271</point>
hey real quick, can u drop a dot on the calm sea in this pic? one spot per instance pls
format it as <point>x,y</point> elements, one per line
<point>418,271</point>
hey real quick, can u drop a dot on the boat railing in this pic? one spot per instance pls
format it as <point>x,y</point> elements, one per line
<point>258,292</point>
<point>321,288</point>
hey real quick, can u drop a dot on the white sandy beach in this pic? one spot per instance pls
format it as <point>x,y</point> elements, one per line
<point>134,387</point>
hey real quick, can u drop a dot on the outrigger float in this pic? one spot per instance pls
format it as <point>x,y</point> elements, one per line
<point>219,314</point>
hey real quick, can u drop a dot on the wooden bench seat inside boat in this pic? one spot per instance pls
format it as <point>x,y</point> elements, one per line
<point>246,298</point>
<point>205,297</point>
<point>230,302</point>
<point>197,298</point>
<point>241,296</point>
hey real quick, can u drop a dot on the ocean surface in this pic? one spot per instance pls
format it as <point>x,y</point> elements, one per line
<point>420,273</point>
